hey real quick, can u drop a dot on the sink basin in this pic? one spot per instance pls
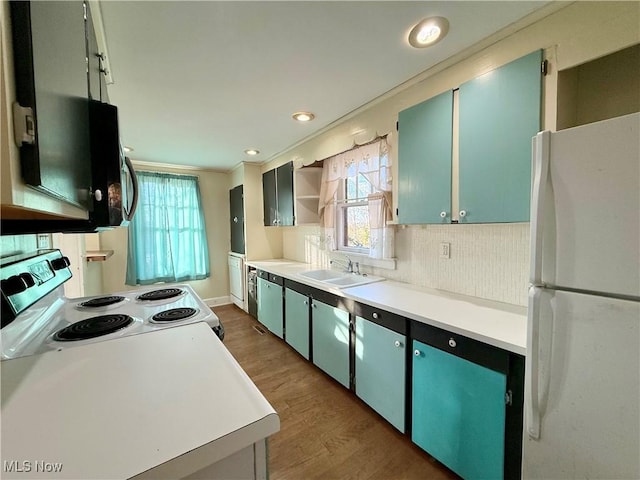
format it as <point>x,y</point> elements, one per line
<point>337,279</point>
<point>322,274</point>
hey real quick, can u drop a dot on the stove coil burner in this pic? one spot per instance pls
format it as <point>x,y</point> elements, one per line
<point>174,315</point>
<point>161,294</point>
<point>93,327</point>
<point>102,301</point>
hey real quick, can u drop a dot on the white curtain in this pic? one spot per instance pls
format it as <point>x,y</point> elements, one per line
<point>374,162</point>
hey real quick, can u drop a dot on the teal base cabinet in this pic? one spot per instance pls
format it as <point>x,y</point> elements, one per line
<point>330,340</point>
<point>380,359</point>
<point>270,302</point>
<point>458,409</point>
<point>296,311</point>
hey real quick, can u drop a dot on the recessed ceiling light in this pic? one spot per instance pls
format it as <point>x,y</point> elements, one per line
<point>127,149</point>
<point>252,151</point>
<point>428,32</point>
<point>303,116</point>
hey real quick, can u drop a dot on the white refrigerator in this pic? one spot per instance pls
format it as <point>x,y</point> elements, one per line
<point>582,381</point>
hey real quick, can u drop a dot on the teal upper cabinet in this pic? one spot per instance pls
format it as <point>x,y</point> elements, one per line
<point>499,114</point>
<point>380,370</point>
<point>330,339</point>
<point>277,192</point>
<point>424,168</point>
<point>270,305</point>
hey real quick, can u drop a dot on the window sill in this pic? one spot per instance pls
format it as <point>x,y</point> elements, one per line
<point>386,263</point>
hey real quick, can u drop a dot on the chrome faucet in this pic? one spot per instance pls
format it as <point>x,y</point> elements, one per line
<point>348,266</point>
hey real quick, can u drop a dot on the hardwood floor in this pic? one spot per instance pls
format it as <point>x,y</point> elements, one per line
<point>326,432</point>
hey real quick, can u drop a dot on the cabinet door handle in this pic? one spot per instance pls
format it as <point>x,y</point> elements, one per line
<point>313,305</point>
<point>397,343</point>
<point>443,214</point>
<point>274,222</point>
<point>416,353</point>
<point>452,343</point>
<point>375,315</point>
<point>463,213</point>
<point>305,302</point>
<point>235,219</point>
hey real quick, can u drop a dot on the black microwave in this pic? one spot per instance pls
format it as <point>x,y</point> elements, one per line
<point>114,183</point>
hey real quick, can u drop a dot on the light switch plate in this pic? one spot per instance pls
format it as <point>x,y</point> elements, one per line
<point>445,250</point>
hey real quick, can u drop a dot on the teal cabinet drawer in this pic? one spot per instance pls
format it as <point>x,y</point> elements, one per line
<point>297,321</point>
<point>330,339</point>
<point>458,412</point>
<point>425,133</point>
<point>380,370</point>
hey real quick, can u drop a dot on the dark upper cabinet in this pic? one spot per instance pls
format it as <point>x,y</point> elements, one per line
<point>51,79</point>
<point>236,203</point>
<point>284,192</point>
<point>269,198</point>
<point>277,190</point>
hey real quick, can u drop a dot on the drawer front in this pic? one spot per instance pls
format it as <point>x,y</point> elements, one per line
<point>477,352</point>
<point>273,278</point>
<point>392,321</point>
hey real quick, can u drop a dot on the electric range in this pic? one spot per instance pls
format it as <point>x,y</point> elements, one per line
<point>37,317</point>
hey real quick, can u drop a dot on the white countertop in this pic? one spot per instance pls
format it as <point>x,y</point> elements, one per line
<point>118,408</point>
<point>494,323</point>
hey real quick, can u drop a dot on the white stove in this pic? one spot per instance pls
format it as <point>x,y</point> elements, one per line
<point>37,317</point>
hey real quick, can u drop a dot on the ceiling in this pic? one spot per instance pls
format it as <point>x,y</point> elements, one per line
<point>197,83</point>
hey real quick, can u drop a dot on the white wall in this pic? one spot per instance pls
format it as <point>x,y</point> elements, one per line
<point>489,261</point>
<point>214,190</point>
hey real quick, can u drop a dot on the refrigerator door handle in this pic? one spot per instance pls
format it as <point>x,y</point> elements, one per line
<point>532,373</point>
<point>540,167</point>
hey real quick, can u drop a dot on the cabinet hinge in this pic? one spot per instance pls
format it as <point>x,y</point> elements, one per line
<point>397,212</point>
<point>544,67</point>
<point>24,125</point>
<point>508,398</point>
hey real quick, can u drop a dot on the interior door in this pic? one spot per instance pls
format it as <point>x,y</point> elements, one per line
<point>236,214</point>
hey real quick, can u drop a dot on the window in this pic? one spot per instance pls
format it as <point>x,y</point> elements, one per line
<point>167,236</point>
<point>355,201</point>
<point>354,227</point>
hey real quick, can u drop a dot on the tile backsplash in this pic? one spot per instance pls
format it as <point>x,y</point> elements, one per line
<point>14,244</point>
<point>488,261</point>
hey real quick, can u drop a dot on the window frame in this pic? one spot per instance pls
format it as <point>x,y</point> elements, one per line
<point>342,206</point>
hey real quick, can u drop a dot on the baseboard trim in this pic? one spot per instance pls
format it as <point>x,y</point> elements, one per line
<point>212,302</point>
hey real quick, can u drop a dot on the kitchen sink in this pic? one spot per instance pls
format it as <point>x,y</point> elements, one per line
<point>338,279</point>
<point>322,274</point>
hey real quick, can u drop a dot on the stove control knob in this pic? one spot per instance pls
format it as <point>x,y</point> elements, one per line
<point>28,279</point>
<point>60,263</point>
<point>13,285</point>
